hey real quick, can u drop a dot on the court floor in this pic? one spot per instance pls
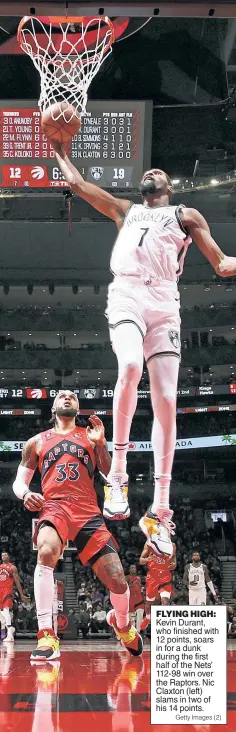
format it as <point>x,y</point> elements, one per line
<point>93,687</point>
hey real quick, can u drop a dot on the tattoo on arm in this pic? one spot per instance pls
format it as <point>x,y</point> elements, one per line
<point>29,457</point>
<point>103,458</point>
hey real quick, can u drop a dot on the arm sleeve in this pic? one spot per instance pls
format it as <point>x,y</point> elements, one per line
<point>23,479</point>
<point>211,588</point>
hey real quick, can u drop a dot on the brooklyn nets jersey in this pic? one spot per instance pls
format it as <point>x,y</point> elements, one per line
<point>198,575</point>
<point>151,243</point>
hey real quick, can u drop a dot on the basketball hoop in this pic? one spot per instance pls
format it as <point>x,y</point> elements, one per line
<point>66,60</point>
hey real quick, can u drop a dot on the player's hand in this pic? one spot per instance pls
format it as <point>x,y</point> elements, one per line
<point>57,146</point>
<point>96,433</point>
<point>33,501</point>
<point>25,599</point>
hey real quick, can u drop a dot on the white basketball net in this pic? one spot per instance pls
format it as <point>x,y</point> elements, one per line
<point>66,68</point>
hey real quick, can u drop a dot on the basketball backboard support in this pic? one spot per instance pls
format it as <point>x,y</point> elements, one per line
<point>140,8</point>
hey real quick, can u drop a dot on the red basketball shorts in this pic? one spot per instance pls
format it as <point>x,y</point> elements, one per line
<point>135,603</point>
<point>157,585</point>
<point>6,600</point>
<point>89,534</point>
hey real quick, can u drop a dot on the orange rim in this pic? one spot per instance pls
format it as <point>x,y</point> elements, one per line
<point>69,19</point>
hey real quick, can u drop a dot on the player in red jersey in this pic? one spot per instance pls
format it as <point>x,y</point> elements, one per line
<point>8,576</point>
<point>67,456</point>
<point>136,602</point>
<point>158,579</point>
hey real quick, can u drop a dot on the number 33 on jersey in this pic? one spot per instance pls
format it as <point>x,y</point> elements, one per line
<point>67,465</point>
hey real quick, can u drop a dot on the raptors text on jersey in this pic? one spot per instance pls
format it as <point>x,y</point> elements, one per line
<point>67,464</point>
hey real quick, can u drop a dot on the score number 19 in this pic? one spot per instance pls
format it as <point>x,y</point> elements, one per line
<point>119,173</point>
<point>119,178</point>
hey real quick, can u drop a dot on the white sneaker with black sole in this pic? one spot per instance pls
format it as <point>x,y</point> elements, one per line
<point>158,530</point>
<point>116,506</point>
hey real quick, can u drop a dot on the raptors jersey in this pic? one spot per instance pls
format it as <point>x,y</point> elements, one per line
<point>158,566</point>
<point>151,243</point>
<point>6,579</point>
<point>197,574</point>
<point>67,464</point>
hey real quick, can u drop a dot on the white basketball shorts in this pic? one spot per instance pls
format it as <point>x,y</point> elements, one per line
<point>197,597</point>
<point>153,308</point>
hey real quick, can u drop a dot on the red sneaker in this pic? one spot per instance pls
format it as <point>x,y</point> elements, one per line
<point>129,636</point>
<point>145,622</point>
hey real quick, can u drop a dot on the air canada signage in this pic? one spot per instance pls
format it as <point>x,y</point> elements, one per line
<point>194,443</point>
<point>147,446</point>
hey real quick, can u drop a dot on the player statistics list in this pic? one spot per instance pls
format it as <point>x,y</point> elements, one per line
<point>188,665</point>
<point>21,135</point>
<point>108,136</point>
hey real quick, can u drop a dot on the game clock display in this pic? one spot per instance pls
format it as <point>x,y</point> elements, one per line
<point>109,150</point>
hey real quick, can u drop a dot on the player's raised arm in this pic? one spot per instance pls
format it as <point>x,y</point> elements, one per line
<point>199,230</point>
<point>96,436</point>
<point>114,208</point>
<point>145,556</point>
<point>25,472</point>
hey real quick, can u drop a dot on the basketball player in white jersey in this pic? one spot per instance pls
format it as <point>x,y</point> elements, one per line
<point>144,322</point>
<point>196,578</point>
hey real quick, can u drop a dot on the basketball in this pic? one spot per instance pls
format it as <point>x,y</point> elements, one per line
<point>60,122</point>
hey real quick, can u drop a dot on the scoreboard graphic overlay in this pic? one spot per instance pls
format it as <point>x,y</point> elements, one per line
<point>102,394</point>
<point>109,149</point>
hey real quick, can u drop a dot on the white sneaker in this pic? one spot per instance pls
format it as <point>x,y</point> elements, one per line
<point>158,531</point>
<point>116,505</point>
<point>10,635</point>
<point>3,632</point>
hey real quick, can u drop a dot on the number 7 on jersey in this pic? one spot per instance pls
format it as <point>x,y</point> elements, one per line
<point>142,236</point>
